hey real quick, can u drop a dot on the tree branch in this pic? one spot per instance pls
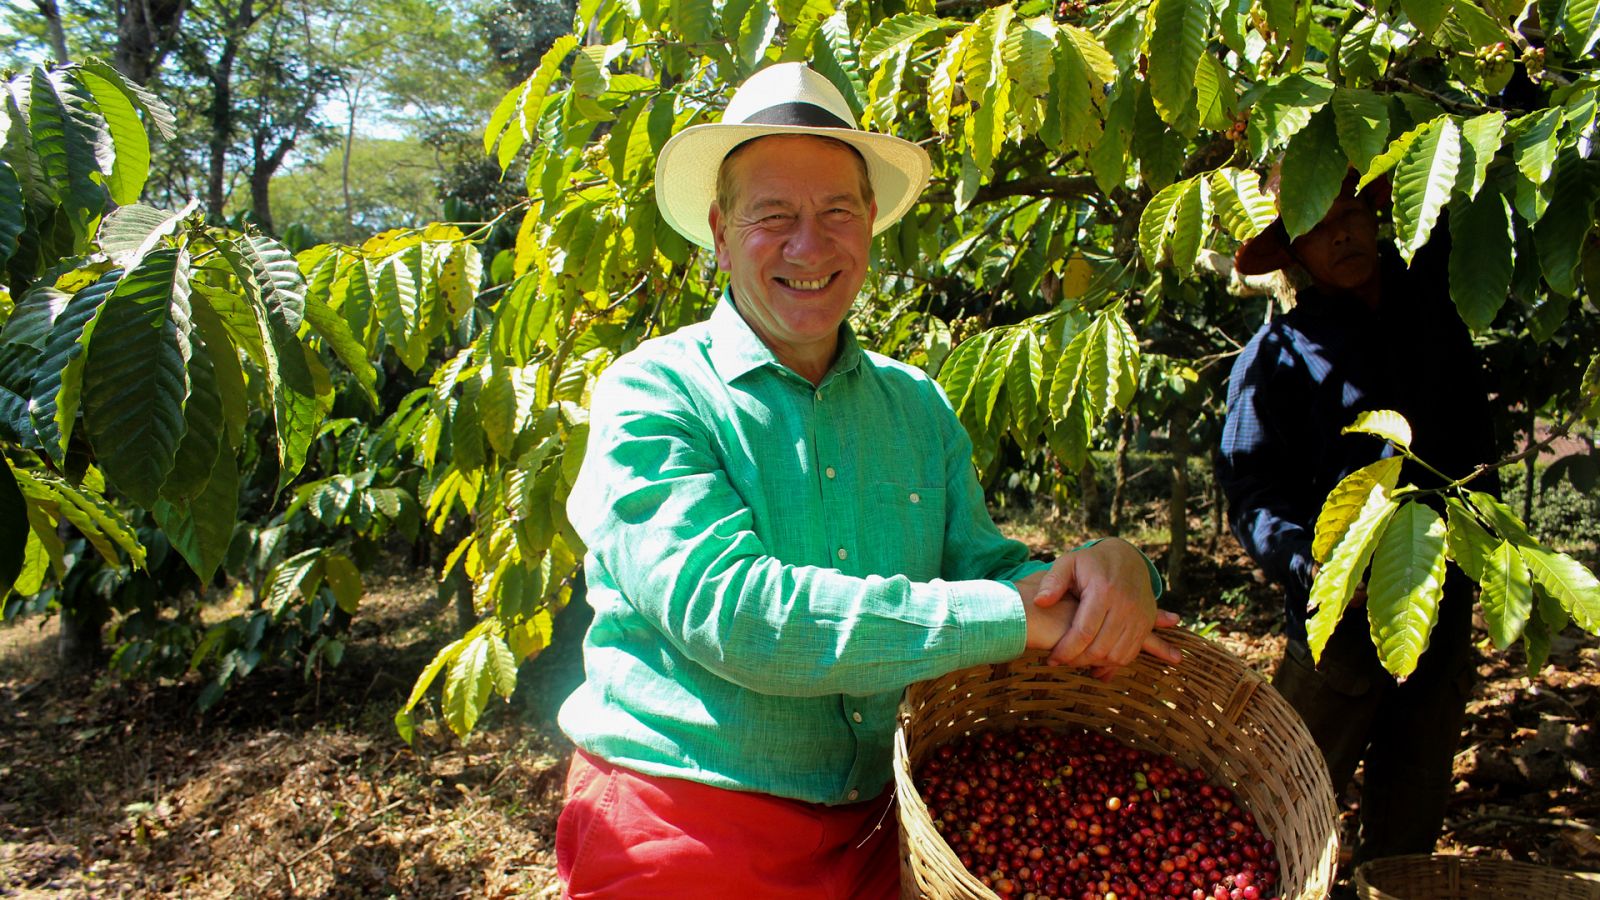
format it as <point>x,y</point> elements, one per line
<point>1058,186</point>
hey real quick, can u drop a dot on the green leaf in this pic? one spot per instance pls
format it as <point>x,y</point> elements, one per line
<point>1029,54</point>
<point>395,296</point>
<point>102,524</point>
<point>467,685</point>
<point>1177,39</point>
<point>896,33</point>
<point>1427,15</point>
<point>961,367</point>
<point>1108,158</point>
<point>984,71</point>
<point>1406,584</point>
<point>1385,423</point>
<point>1481,260</point>
<point>942,81</point>
<point>1284,108</point>
<point>134,377</point>
<point>155,112</point>
<point>335,332</point>
<point>1507,594</point>
<point>504,404</point>
<point>1216,95</point>
<point>1469,544</point>
<point>1190,218</point>
<point>275,276</point>
<point>1580,22</point>
<point>11,216</point>
<point>503,666</point>
<point>14,530</point>
<point>203,531</point>
<point>1157,222</point>
<point>1423,181</point>
<point>1336,582</point>
<point>1560,233</point>
<point>756,29</point>
<point>1385,162</point>
<point>1344,504</point>
<point>130,143</point>
<point>1482,136</point>
<point>53,405</point>
<point>1024,381</point>
<point>531,94</point>
<point>344,580</point>
<point>131,231</point>
<point>1242,207</point>
<point>1534,142</point>
<point>1569,582</point>
<point>1313,172</point>
<point>64,136</point>
<point>1362,120</point>
<point>204,429</point>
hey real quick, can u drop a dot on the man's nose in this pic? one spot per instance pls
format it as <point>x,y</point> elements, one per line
<point>808,241</point>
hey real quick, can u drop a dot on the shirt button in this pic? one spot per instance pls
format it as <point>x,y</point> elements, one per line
<point>818,396</point>
<point>853,794</point>
<point>916,497</point>
<point>843,553</point>
<point>856,716</point>
<point>830,472</point>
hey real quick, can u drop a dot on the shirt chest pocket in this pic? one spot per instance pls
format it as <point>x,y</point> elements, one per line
<point>906,524</point>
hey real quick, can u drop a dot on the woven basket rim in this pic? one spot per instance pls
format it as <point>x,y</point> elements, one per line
<point>1520,877</point>
<point>1213,700</point>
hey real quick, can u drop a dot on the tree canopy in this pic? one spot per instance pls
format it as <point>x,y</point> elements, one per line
<point>1094,167</point>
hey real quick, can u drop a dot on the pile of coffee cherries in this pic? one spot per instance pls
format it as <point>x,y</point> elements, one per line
<point>1038,814</point>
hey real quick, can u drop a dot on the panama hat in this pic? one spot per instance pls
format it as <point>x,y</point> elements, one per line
<point>787,98</point>
<point>1271,249</point>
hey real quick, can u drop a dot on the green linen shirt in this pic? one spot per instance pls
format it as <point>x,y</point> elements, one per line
<point>771,563</point>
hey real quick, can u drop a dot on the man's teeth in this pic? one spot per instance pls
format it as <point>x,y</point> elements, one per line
<point>815,284</point>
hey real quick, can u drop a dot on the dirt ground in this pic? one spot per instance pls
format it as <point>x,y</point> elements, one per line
<point>296,788</point>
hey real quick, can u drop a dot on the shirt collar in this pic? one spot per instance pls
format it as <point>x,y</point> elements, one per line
<point>736,350</point>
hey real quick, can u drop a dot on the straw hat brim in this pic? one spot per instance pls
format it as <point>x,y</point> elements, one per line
<point>686,171</point>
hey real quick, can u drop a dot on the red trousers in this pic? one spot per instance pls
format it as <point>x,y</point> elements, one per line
<point>624,834</point>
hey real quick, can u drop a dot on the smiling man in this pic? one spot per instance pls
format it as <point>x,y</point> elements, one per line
<point>1365,333</point>
<point>783,531</point>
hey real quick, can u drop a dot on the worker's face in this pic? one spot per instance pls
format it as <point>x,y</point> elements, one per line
<point>1342,250</point>
<point>795,244</point>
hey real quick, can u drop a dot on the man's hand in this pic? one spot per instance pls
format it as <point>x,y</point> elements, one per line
<point>1114,614</point>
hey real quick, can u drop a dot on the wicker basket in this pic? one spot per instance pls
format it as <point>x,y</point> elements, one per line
<point>1437,877</point>
<point>1211,712</point>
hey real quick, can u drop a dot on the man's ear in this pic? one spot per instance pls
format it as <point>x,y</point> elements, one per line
<point>719,243</point>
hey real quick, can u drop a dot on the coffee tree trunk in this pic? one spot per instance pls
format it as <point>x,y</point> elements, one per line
<point>1130,424</point>
<point>1092,507</point>
<point>1178,504</point>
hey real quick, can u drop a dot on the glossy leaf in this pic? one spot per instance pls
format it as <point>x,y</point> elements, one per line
<point>1157,222</point>
<point>896,33</point>
<point>57,385</point>
<point>1385,423</point>
<point>129,143</point>
<point>134,377</point>
<point>1342,573</point>
<point>468,683</point>
<point>1344,504</point>
<point>1427,15</point>
<point>1580,22</point>
<point>1481,138</point>
<point>1177,39</point>
<point>131,231</point>
<point>1560,234</point>
<point>1534,144</point>
<point>1284,108</point>
<point>1507,596</point>
<point>1408,567</point>
<point>1481,259</point>
<point>1312,174</point>
<point>1569,582</point>
<point>14,530</point>
<point>11,214</point>
<point>1242,207</point>
<point>1362,120</point>
<point>203,531</point>
<point>1423,181</point>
